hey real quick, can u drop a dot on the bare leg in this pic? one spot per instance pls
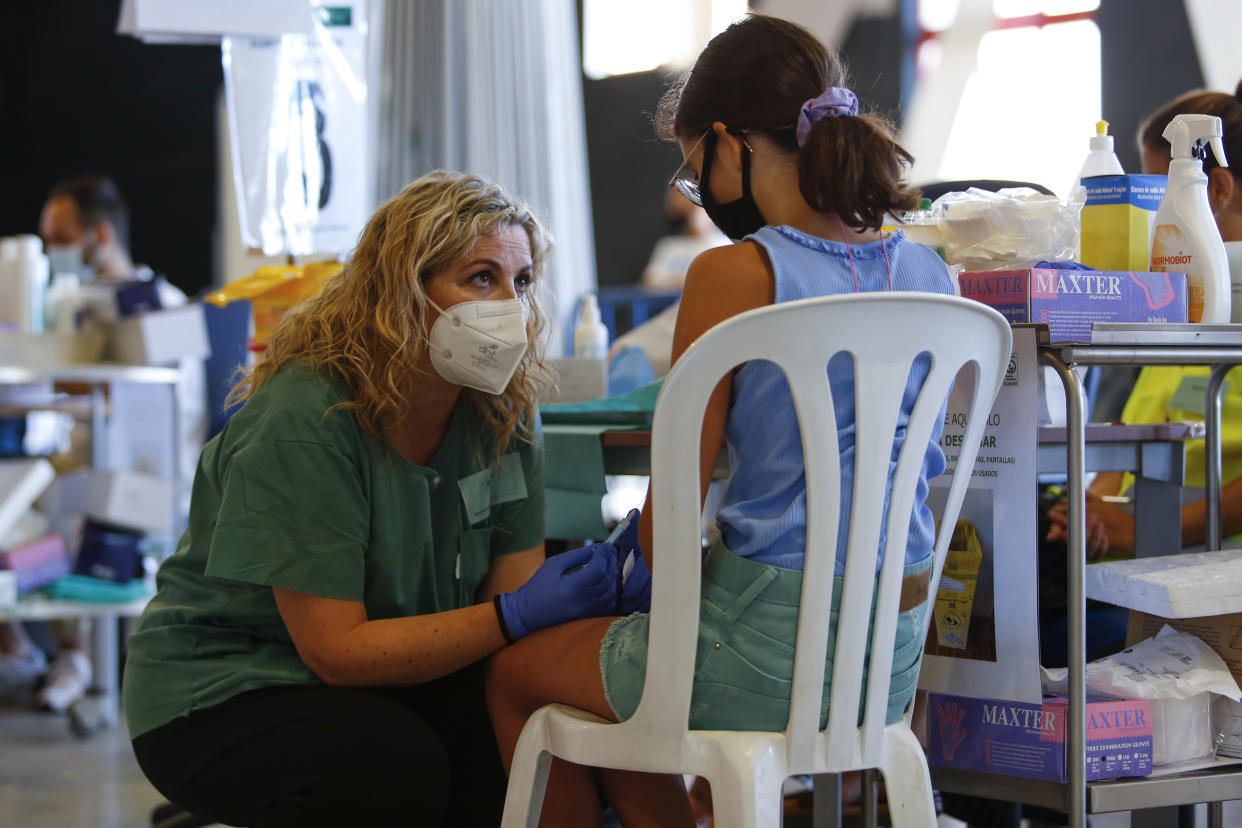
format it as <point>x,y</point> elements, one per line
<point>561,664</point>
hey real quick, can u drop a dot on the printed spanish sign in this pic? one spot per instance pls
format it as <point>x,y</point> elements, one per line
<point>972,649</point>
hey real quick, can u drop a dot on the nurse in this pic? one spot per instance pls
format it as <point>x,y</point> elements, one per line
<point>364,532</point>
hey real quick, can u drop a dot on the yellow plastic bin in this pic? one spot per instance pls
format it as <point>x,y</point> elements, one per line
<point>273,290</point>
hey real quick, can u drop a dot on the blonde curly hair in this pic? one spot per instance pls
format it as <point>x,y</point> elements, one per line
<point>369,326</point>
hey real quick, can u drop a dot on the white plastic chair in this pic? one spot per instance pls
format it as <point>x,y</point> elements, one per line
<point>884,332</point>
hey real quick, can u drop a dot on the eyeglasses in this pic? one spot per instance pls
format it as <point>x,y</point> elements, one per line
<point>684,180</point>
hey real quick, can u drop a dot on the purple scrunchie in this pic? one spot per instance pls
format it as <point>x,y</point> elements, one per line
<point>836,101</point>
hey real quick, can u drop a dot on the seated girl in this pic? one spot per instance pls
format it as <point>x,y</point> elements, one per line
<point>779,156</point>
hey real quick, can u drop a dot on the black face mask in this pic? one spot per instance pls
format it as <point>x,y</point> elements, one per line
<point>740,217</point>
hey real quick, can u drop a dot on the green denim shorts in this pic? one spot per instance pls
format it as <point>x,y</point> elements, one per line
<point>744,661</point>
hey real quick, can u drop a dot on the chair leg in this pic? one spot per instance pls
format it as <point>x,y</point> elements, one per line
<point>528,781</point>
<point>826,807</point>
<point>908,782</point>
<point>741,800</point>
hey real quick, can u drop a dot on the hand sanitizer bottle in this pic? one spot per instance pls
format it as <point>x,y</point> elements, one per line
<point>1101,160</point>
<point>1186,238</point>
<point>590,336</point>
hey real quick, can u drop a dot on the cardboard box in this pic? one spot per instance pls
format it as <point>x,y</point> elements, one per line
<point>162,337</point>
<point>127,499</point>
<point>1117,220</point>
<point>1068,301</point>
<point>130,500</point>
<point>8,588</point>
<point>1020,739</point>
<point>37,563</point>
<point>1223,633</point>
<point>68,494</point>
<point>578,380</point>
<point>21,482</point>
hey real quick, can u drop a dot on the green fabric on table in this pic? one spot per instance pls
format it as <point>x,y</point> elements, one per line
<point>574,481</point>
<point>633,408</point>
<point>95,590</point>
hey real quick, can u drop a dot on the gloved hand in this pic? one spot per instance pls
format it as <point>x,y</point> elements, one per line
<point>581,583</point>
<point>636,593</point>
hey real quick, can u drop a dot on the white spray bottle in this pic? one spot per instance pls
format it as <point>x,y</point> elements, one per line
<point>1186,238</point>
<point>590,335</point>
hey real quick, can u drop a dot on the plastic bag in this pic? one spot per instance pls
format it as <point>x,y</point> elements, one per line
<point>1178,673</point>
<point>1007,229</point>
<point>297,115</point>
<point>273,290</point>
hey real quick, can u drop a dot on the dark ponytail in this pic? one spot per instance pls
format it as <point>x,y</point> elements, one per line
<point>754,77</point>
<point>850,165</point>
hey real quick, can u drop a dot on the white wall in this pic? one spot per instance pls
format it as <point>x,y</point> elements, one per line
<point>1216,26</point>
<point>830,21</point>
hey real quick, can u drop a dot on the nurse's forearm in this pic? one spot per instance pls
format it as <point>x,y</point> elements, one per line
<point>338,643</point>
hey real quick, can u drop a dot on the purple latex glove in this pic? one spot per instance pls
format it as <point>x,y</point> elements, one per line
<point>636,591</point>
<point>580,583</point>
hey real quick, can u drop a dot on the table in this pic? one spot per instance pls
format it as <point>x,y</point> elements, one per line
<point>629,452</point>
<point>1152,450</point>
<point>104,617</point>
<point>97,376</point>
<point>1217,346</point>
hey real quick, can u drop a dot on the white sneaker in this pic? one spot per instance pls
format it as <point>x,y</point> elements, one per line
<point>68,679</point>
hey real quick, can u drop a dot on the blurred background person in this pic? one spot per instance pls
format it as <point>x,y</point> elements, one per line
<point>666,270</point>
<point>672,254</point>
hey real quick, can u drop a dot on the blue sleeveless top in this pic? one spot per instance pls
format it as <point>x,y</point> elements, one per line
<point>763,512</point>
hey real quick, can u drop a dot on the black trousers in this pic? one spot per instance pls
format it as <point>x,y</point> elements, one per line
<point>332,756</point>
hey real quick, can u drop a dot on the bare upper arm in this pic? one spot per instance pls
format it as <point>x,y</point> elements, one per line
<point>317,626</point>
<point>721,283</point>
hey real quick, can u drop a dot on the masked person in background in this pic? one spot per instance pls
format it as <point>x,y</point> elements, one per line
<point>779,155</point>
<point>85,231</point>
<point>364,532</point>
<point>1177,393</point>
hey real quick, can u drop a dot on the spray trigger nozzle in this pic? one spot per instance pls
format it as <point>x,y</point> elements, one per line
<point>1186,135</point>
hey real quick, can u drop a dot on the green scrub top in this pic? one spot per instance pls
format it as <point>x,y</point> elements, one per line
<point>293,495</point>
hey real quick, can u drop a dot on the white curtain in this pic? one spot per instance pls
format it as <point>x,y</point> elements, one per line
<point>493,87</point>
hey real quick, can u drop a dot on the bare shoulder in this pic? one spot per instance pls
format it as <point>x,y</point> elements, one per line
<point>742,266</point>
<point>721,283</point>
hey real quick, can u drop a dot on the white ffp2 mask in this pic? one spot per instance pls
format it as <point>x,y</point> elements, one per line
<point>479,344</point>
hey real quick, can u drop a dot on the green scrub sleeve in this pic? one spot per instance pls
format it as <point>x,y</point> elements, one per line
<point>520,524</point>
<point>292,515</point>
